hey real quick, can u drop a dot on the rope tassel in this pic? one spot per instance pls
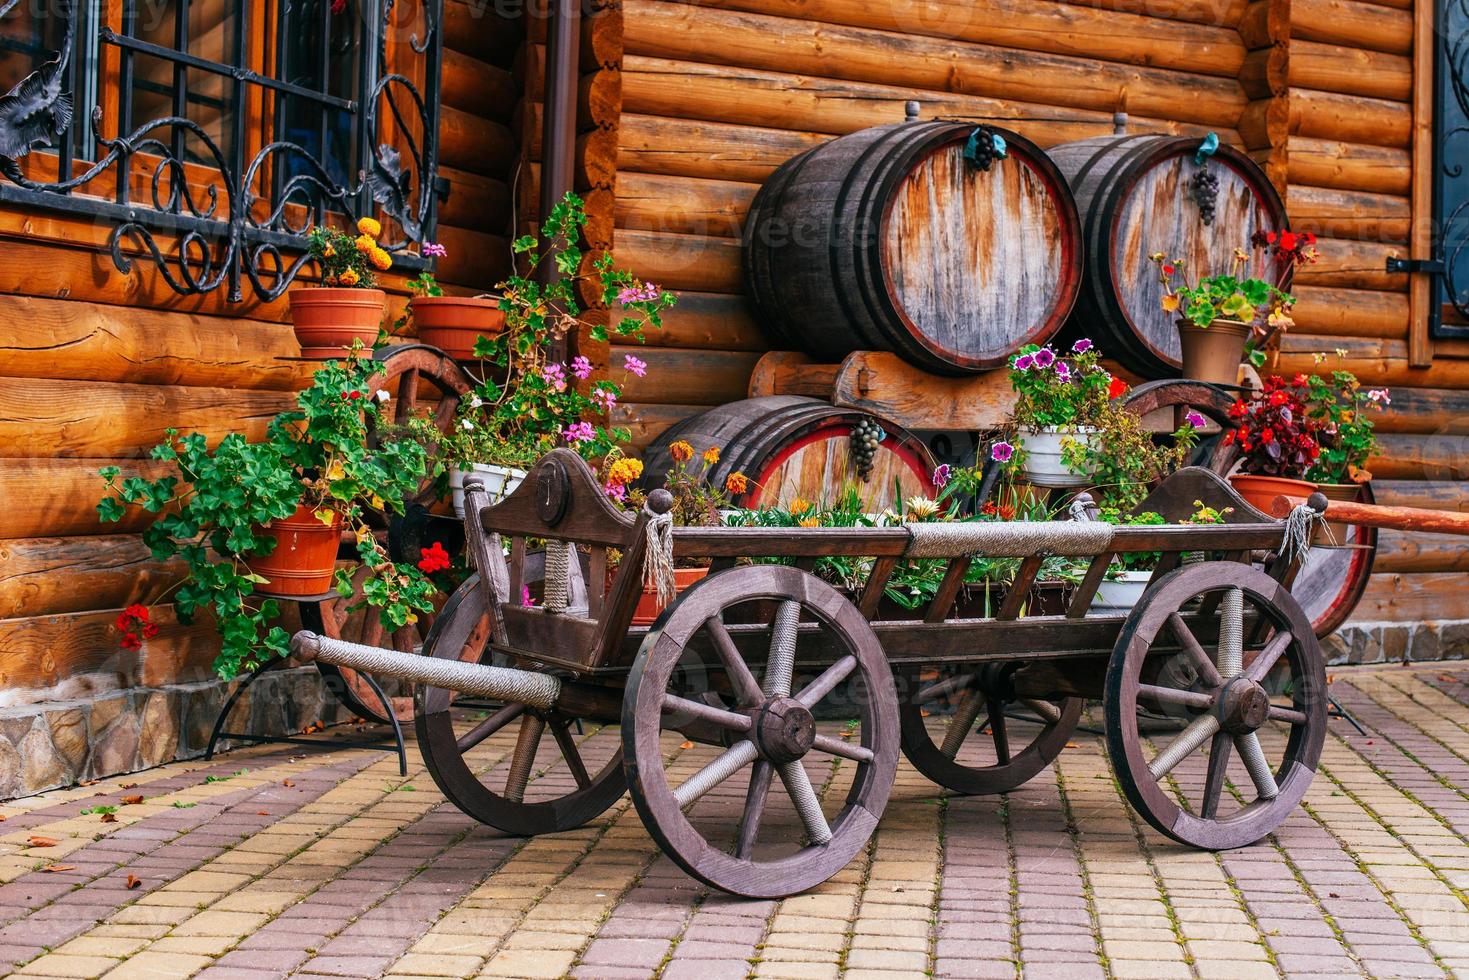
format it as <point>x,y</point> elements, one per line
<point>658,557</point>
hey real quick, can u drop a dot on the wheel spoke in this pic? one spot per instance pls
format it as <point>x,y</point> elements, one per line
<point>782,662</point>
<point>1218,768</point>
<point>798,786</point>
<point>1253,756</point>
<point>1279,712</point>
<point>729,762</point>
<point>843,748</point>
<point>1172,695</point>
<point>1199,731</point>
<point>570,753</point>
<point>1001,737</point>
<point>943,688</point>
<point>489,726</point>
<point>829,678</point>
<point>760,777</point>
<point>734,721</point>
<point>1232,633</point>
<point>1278,644</point>
<point>1049,713</point>
<point>747,691</point>
<point>523,759</point>
<point>407,399</point>
<point>1186,639</point>
<point>962,723</point>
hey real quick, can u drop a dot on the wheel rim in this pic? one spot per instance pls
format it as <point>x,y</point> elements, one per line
<point>574,785</point>
<point>1254,712</point>
<point>766,744</point>
<point>971,753</point>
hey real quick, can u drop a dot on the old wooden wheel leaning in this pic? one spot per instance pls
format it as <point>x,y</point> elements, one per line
<point>1247,677</point>
<point>991,740</point>
<point>407,373</point>
<point>569,790</point>
<point>721,822</point>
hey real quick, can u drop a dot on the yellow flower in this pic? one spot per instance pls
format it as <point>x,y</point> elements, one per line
<point>737,483</point>
<point>1170,303</point>
<point>369,226</point>
<point>381,260</point>
<point>810,522</point>
<point>365,244</point>
<point>681,451</point>
<point>329,251</point>
<point>922,507</point>
<point>799,506</point>
<point>711,455</point>
<point>348,278</point>
<point>335,471</point>
<point>624,471</point>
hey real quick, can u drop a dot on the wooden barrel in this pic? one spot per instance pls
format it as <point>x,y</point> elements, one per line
<point>889,239</point>
<point>1135,199</point>
<point>791,446</point>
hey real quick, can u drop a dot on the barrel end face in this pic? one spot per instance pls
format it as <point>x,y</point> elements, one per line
<point>305,646</point>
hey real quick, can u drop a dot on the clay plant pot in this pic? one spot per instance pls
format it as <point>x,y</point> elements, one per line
<point>648,607</point>
<point>1260,491</point>
<point>1334,533</point>
<point>1213,353</point>
<point>454,323</point>
<point>328,318</point>
<point>304,558</point>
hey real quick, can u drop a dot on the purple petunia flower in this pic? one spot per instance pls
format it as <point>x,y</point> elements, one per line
<point>1062,371</point>
<point>941,475</point>
<point>1195,419</point>
<point>1023,362</point>
<point>1045,357</point>
<point>1081,346</point>
<point>635,365</point>
<point>1001,452</point>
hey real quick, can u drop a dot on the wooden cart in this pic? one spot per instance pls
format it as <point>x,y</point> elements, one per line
<point>726,696</point>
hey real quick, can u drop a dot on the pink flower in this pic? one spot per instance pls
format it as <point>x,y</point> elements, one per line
<point>646,293</point>
<point>525,599</point>
<point>1062,371</point>
<point>1044,357</point>
<point>605,398</point>
<point>581,367</point>
<point>1024,362</point>
<point>555,376</point>
<point>1081,346</point>
<point>635,365</point>
<point>1001,452</point>
<point>579,432</point>
<point>1380,396</point>
<point>1195,419</point>
<point>941,475</point>
<point>434,250</point>
<point>616,491</point>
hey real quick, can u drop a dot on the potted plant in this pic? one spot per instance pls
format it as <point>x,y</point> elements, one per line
<point>1058,400</point>
<point>1122,458</point>
<point>1342,410</point>
<point>347,306</point>
<point>1224,319</point>
<point>527,400</point>
<point>255,520</point>
<point>1128,576</point>
<point>453,324</point>
<point>1276,439</point>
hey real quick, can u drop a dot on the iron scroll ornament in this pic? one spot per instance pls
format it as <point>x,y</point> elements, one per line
<point>222,236</point>
<point>1453,184</point>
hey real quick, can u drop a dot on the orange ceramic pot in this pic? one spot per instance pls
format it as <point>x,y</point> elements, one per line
<point>305,555</point>
<point>328,318</point>
<point>1260,491</point>
<point>454,323</point>
<point>648,607</point>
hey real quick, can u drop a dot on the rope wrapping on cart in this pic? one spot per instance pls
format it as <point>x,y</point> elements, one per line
<point>658,557</point>
<point>1300,525</point>
<point>1014,539</point>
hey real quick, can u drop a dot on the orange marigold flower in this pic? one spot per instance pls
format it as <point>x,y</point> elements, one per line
<point>681,451</point>
<point>348,278</point>
<point>737,483</point>
<point>381,260</point>
<point>799,506</point>
<point>365,244</point>
<point>369,226</point>
<point>711,455</point>
<point>624,471</point>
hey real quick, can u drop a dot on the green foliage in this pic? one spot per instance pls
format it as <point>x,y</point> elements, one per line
<point>1056,390</point>
<point>1343,411</point>
<point>1227,296</point>
<point>212,512</point>
<point>1133,561</point>
<point>1123,460</point>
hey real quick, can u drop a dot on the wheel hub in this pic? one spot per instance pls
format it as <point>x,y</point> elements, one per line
<point>1243,706</point>
<point>784,730</point>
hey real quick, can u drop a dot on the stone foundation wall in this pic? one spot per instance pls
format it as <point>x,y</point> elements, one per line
<point>1370,643</point>
<point>60,743</point>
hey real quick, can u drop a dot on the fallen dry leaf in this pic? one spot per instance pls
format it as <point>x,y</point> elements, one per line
<point>109,818</point>
<point>132,800</point>
<point>262,813</point>
<point>287,782</point>
<point>134,881</point>
<point>1072,745</point>
<point>687,745</point>
<point>89,782</point>
<point>128,786</point>
<point>36,840</point>
<point>56,868</point>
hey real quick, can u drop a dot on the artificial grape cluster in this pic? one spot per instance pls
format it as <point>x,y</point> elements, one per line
<point>981,150</point>
<point>1204,186</point>
<point>866,434</point>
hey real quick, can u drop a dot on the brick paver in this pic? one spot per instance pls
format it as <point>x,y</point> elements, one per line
<point>266,864</point>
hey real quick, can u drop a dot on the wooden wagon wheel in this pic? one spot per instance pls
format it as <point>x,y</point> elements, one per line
<point>769,730</point>
<point>403,372</point>
<point>1234,698</point>
<point>975,699</point>
<point>503,799</point>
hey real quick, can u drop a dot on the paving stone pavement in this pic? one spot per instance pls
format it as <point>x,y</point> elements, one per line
<point>268,863</point>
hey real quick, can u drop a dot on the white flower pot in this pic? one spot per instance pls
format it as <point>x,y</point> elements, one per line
<point>500,481</point>
<point>1044,466</point>
<point>1117,596</point>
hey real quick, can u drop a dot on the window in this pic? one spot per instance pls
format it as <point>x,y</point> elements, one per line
<point>1449,296</point>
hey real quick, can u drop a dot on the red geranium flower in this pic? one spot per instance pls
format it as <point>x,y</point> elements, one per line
<point>433,559</point>
<point>1117,388</point>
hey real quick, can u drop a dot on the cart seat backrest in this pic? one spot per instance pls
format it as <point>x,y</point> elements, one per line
<point>1179,496</point>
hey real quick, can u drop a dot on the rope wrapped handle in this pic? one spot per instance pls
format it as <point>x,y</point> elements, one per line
<point>658,546</point>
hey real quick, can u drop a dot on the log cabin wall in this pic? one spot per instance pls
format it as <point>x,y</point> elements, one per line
<point>94,365</point>
<point>716,95</point>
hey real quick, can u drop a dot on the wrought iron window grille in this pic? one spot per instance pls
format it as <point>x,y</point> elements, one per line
<point>1449,267</point>
<point>248,222</point>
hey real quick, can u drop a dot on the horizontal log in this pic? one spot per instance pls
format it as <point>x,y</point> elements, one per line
<point>1212,13</point>
<point>468,142</point>
<point>1432,494</point>
<point>712,321</point>
<point>683,204</point>
<point>1383,517</point>
<point>475,201</point>
<point>1354,24</point>
<point>1265,124</point>
<point>647,422</point>
<point>599,92</point>
<point>1128,31</point>
<point>596,150</point>
<point>1266,72</point>
<point>1350,118</point>
<point>477,87</point>
<point>1350,312</point>
<point>1423,411</point>
<point>1421,457</point>
<point>601,35</point>
<point>474,259</point>
<point>1414,597</point>
<point>45,417</point>
<point>477,29</point>
<point>681,261</point>
<point>51,497</point>
<point>1376,362</point>
<point>672,30</point>
<point>1412,551</point>
<point>683,377</point>
<point>1351,70</point>
<point>1350,166</point>
<point>46,576</point>
<point>1331,213</point>
<point>784,372</point>
<point>65,339</point>
<point>688,148</point>
<point>1346,264</point>
<point>599,206</point>
<point>751,97</point>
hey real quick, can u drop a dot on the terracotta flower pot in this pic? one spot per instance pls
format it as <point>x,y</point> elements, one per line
<point>454,323</point>
<point>648,607</point>
<point>328,318</point>
<point>1349,492</point>
<point>305,555</point>
<point>1213,353</point>
<point>1260,491</point>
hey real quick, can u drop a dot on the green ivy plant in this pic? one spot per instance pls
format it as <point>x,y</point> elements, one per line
<point>213,510</point>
